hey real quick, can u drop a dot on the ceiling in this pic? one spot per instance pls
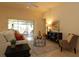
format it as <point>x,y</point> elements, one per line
<point>42,6</point>
<point>36,6</point>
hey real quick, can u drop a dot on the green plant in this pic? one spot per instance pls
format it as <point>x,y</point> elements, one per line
<point>13,42</point>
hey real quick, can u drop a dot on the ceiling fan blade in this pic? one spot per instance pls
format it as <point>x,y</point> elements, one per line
<point>32,4</point>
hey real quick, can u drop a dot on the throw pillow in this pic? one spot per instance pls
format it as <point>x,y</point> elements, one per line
<point>69,37</point>
<point>9,35</point>
<point>19,36</point>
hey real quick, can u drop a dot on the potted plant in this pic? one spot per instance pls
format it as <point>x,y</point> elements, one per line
<point>13,43</point>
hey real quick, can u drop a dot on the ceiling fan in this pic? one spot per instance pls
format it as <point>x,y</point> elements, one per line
<point>31,4</point>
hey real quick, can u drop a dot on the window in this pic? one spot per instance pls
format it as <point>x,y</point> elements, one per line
<point>24,27</point>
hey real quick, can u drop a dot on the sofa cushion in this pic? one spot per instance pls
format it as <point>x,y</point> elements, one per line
<point>3,44</point>
<point>9,35</point>
<point>2,39</point>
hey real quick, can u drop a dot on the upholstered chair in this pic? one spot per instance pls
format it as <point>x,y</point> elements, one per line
<point>69,45</point>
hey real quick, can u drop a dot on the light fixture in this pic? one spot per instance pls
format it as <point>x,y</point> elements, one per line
<point>27,7</point>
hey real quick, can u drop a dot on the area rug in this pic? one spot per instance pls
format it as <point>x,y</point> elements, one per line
<point>41,50</point>
<point>50,50</point>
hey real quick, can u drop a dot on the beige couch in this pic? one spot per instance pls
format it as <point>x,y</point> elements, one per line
<point>4,43</point>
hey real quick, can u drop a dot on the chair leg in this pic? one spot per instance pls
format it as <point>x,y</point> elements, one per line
<point>75,50</point>
<point>59,45</point>
<point>61,49</point>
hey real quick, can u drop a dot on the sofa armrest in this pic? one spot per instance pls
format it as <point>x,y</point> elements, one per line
<point>21,42</point>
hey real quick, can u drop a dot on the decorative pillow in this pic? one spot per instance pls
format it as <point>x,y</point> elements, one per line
<point>19,36</point>
<point>9,35</point>
<point>18,42</point>
<point>69,37</point>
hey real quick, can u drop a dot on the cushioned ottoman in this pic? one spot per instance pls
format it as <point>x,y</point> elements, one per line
<point>22,50</point>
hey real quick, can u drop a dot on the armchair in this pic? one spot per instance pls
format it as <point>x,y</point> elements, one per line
<point>64,44</point>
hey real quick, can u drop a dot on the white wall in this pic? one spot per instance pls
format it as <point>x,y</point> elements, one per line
<point>20,14</point>
<point>70,18</point>
<point>68,14</point>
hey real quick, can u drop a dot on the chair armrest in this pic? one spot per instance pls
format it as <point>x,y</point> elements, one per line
<point>63,42</point>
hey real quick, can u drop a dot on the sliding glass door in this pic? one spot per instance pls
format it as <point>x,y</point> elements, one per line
<point>23,26</point>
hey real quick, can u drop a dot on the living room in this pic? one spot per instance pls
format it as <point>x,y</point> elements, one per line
<point>42,14</point>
